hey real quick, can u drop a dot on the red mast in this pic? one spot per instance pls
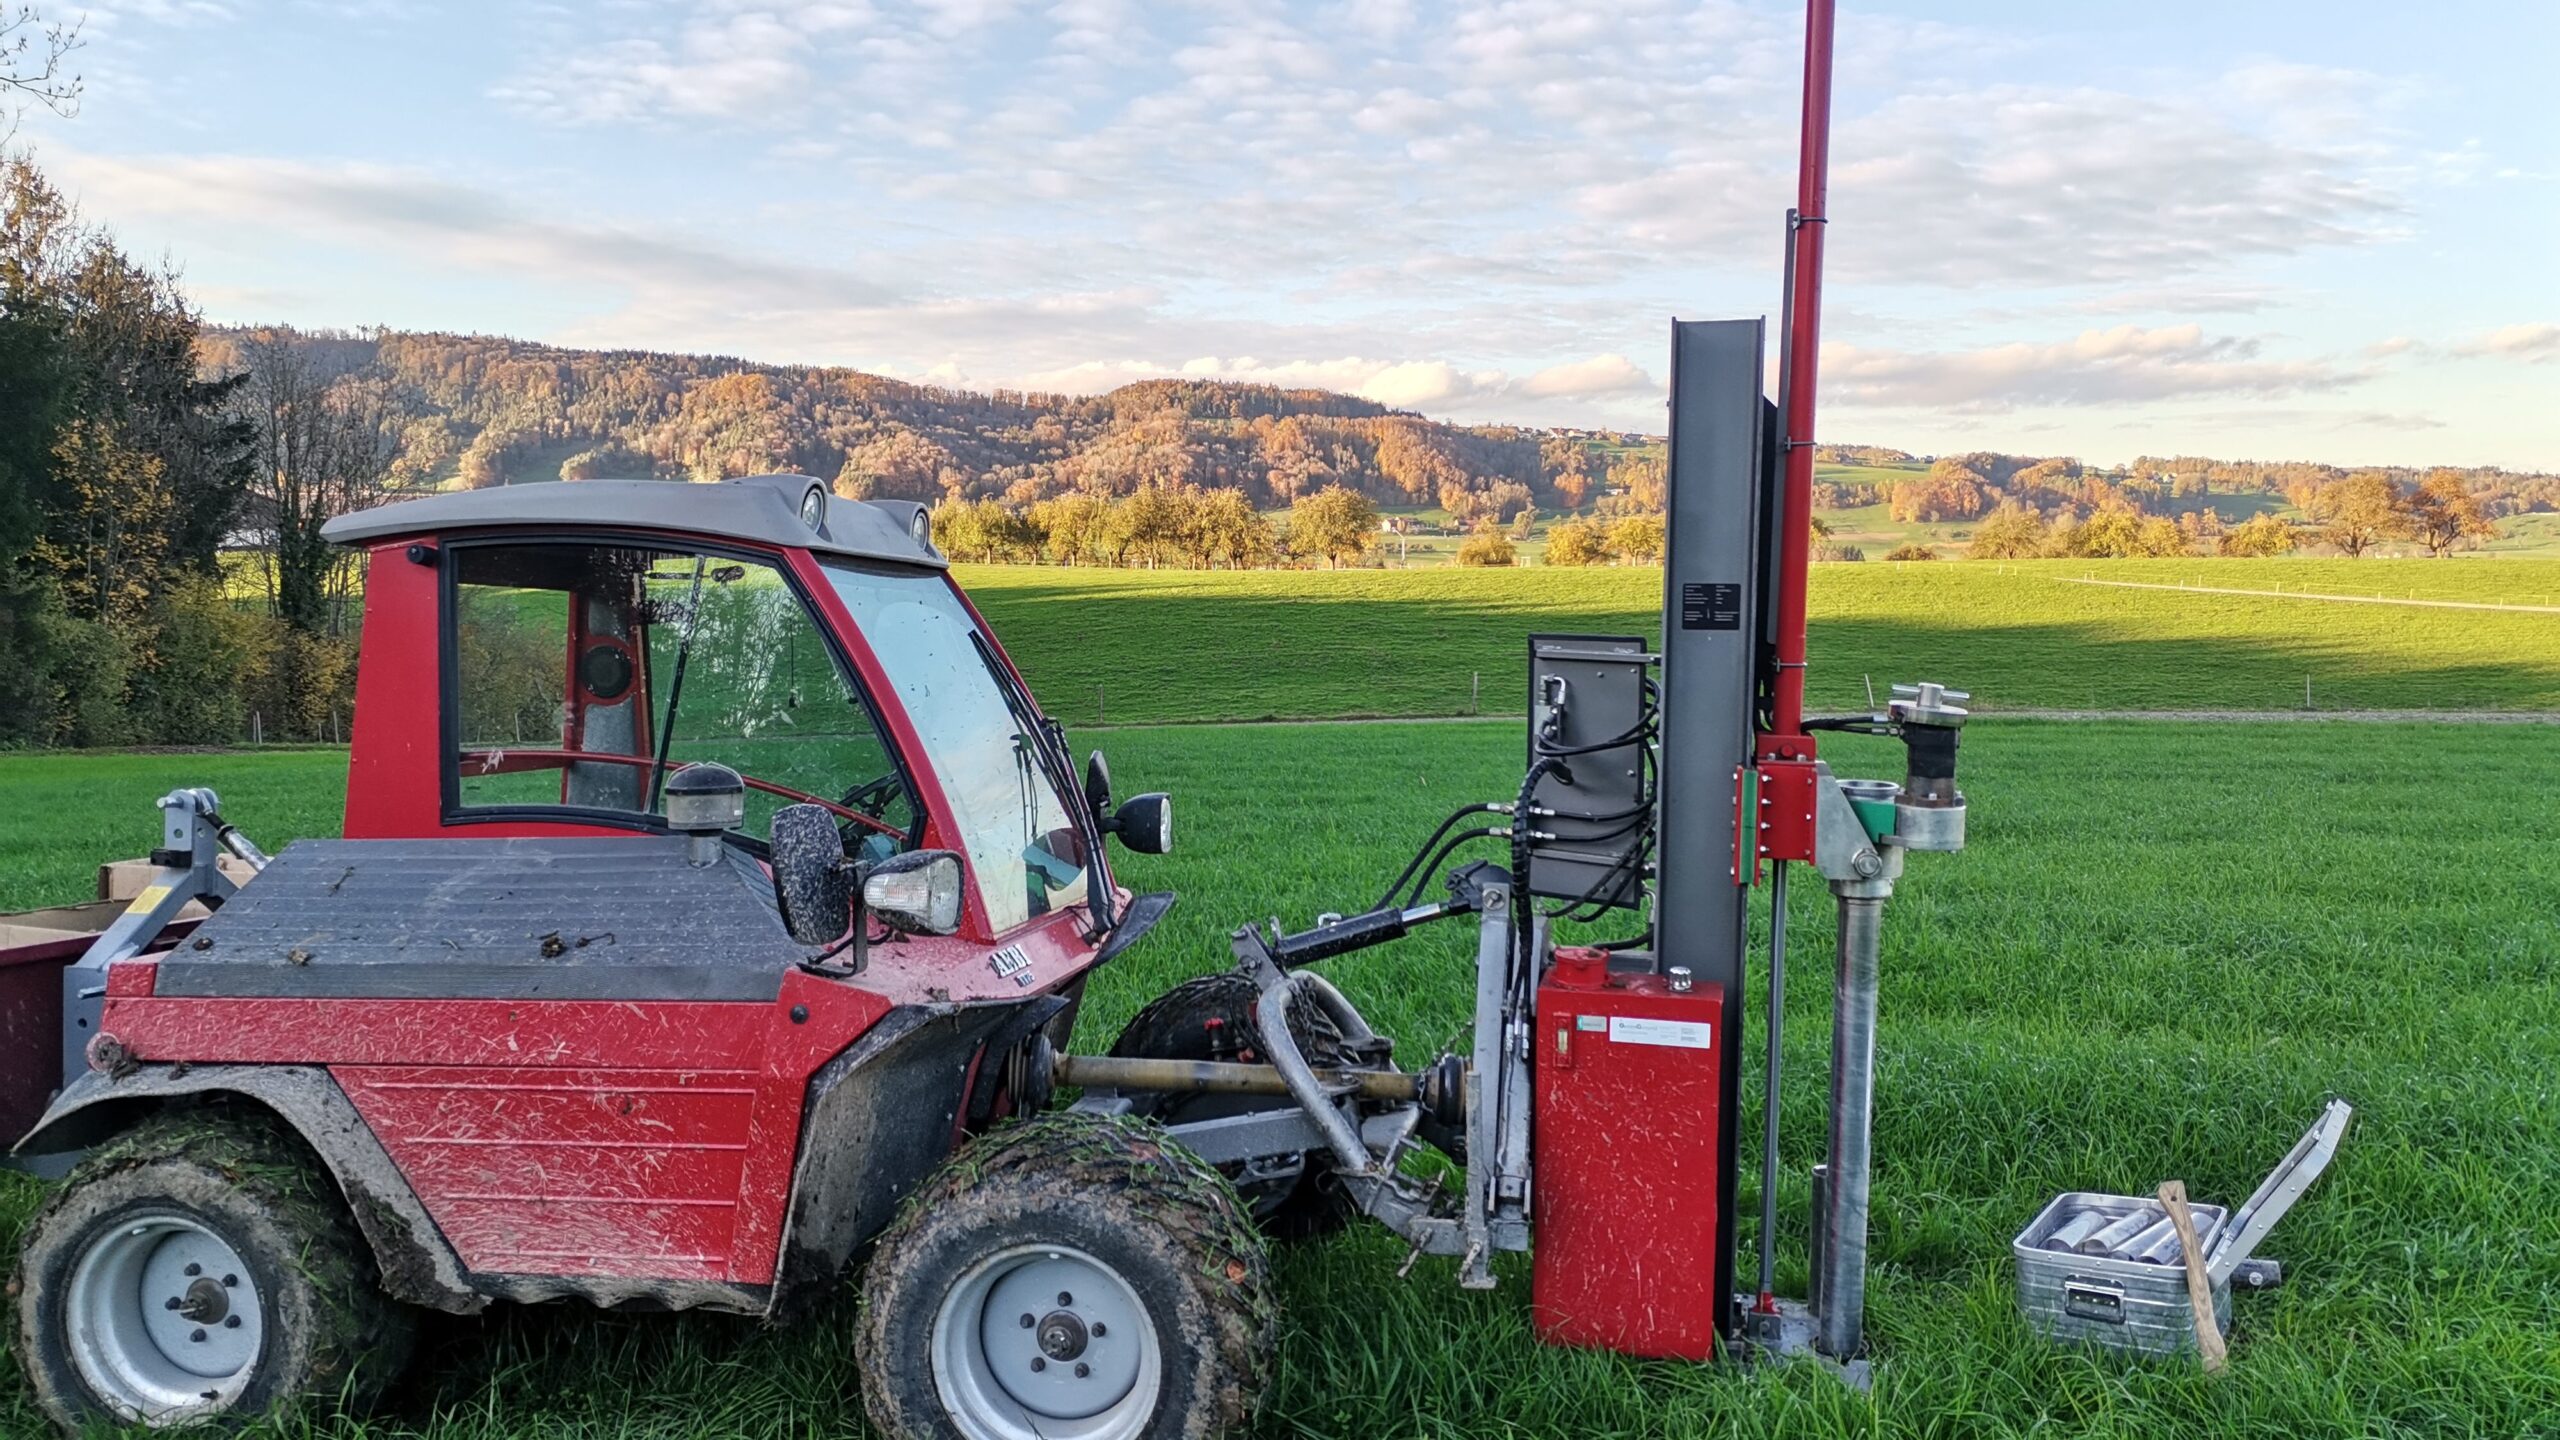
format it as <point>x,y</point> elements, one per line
<point>1804,340</point>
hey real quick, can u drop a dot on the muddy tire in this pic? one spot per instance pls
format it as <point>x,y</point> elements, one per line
<point>1073,1276</point>
<point>201,1269</point>
<point>1211,1018</point>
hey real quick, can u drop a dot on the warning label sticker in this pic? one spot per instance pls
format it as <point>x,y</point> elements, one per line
<point>1685,1034</point>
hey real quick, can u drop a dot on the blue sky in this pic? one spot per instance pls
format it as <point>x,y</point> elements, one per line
<point>2274,228</point>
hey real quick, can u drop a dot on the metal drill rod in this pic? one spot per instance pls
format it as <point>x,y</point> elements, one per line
<point>1769,1087</point>
<point>1853,1064</point>
<point>1211,1077</point>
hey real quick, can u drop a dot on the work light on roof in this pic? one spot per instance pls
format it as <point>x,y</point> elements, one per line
<point>813,508</point>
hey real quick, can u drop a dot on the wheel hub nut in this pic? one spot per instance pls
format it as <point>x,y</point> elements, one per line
<point>204,1303</point>
<point>1061,1336</point>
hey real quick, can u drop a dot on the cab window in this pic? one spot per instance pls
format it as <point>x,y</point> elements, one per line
<point>583,673</point>
<point>976,729</point>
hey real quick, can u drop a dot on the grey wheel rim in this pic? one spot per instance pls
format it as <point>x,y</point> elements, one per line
<point>163,1320</point>
<point>1087,1366</point>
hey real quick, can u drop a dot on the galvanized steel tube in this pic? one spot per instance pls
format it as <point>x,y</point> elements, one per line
<point>1853,1061</point>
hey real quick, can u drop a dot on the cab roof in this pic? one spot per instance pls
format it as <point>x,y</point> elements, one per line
<point>756,509</point>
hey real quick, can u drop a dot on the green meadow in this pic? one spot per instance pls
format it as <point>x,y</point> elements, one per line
<point>2168,944</point>
<point>1140,646</point>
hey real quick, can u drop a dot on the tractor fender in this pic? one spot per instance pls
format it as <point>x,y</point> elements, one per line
<point>418,1265</point>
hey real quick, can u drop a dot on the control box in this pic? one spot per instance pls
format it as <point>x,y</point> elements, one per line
<point>1589,694</point>
<point>1625,1137</point>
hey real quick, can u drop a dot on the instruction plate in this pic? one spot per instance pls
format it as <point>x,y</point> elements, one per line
<point>1685,1034</point>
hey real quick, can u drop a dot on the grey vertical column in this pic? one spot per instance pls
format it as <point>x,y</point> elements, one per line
<point>1710,645</point>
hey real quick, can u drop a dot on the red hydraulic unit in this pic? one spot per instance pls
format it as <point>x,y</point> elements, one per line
<point>1627,1108</point>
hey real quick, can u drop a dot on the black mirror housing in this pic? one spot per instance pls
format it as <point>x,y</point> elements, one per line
<point>1097,785</point>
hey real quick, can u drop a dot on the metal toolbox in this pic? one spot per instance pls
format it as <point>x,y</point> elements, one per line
<point>2120,1304</point>
<point>2141,1306</point>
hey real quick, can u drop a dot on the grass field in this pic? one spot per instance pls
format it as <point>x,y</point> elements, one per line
<point>1199,645</point>
<point>2125,979</point>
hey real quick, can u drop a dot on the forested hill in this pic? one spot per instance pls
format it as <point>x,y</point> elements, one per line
<point>470,410</point>
<point>483,411</point>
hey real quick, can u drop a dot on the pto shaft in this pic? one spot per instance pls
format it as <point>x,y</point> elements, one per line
<point>1212,1077</point>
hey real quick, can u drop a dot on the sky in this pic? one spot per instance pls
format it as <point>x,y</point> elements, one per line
<point>2315,229</point>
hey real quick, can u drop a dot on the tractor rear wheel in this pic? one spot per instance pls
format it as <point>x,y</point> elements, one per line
<point>201,1269</point>
<point>1074,1276</point>
<point>1210,1017</point>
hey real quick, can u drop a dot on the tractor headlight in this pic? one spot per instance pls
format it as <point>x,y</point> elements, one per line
<point>1145,824</point>
<point>813,509</point>
<point>918,892</point>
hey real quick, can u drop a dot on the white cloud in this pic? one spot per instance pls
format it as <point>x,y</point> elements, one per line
<point>741,66</point>
<point>2535,344</point>
<point>1599,375</point>
<point>444,223</point>
<point>2119,366</point>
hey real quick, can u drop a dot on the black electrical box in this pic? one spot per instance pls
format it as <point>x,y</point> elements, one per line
<point>1590,699</point>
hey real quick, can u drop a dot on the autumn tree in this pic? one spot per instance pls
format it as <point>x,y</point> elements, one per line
<point>1071,527</point>
<point>1335,523</point>
<point>2012,532</point>
<point>1637,539</point>
<point>2359,512</point>
<point>1147,524</point>
<point>2443,513</point>
<point>108,545</point>
<point>2257,537</point>
<point>1644,479</point>
<point>1487,545</point>
<point>1577,542</point>
<point>1224,528</point>
<point>324,447</point>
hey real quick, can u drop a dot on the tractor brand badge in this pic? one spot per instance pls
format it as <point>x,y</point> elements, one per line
<point>1011,961</point>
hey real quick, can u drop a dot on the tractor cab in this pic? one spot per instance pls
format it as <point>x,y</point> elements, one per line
<point>539,660</point>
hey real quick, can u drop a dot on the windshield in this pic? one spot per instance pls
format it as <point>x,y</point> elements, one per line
<point>1020,840</point>
<point>579,667</point>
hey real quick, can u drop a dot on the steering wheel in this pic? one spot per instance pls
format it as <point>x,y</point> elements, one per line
<point>871,797</point>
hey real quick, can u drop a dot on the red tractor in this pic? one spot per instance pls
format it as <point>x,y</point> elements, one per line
<point>710,876</point>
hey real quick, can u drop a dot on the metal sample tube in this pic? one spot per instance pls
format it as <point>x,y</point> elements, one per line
<point>2113,1235</point>
<point>2079,1225</point>
<point>2141,1245</point>
<point>1853,1065</point>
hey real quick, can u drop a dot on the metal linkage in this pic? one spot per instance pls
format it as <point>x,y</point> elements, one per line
<point>193,840</point>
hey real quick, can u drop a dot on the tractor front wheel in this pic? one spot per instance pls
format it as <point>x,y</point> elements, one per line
<point>200,1269</point>
<point>1211,1017</point>
<point>1074,1276</point>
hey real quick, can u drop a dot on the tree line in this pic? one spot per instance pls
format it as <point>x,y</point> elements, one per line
<point>129,469</point>
<point>2157,506</point>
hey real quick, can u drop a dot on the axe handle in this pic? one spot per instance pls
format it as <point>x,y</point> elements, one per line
<point>2173,1198</point>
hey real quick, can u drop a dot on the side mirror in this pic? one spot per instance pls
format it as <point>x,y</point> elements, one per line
<point>809,879</point>
<point>1145,824</point>
<point>918,892</point>
<point>1097,784</point>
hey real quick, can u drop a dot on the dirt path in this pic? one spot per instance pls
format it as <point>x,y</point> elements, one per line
<point>2309,595</point>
